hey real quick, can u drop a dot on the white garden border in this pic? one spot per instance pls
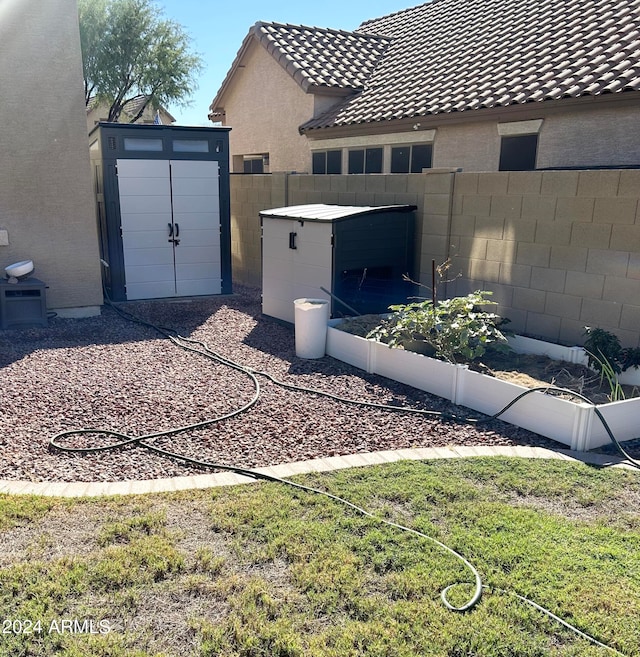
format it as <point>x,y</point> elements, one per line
<point>575,424</point>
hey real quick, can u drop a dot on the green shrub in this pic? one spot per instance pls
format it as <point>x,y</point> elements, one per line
<point>456,329</point>
<point>604,349</point>
<point>630,358</point>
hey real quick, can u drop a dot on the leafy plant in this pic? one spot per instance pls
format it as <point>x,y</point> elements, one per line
<point>457,329</point>
<point>130,50</point>
<point>603,347</point>
<point>630,358</point>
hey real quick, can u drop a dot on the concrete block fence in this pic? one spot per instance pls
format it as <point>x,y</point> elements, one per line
<point>559,249</point>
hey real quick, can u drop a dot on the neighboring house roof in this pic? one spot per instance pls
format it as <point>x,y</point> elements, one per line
<point>457,55</point>
<point>318,59</point>
<point>131,107</point>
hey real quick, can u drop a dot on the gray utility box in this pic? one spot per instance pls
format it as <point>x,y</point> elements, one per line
<point>359,254</point>
<point>23,303</point>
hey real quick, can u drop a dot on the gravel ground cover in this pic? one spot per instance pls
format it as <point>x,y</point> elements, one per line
<point>107,372</point>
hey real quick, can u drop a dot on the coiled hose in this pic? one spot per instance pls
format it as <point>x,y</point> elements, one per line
<point>198,347</point>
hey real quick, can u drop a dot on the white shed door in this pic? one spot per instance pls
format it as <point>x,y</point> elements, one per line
<point>170,217</point>
<point>196,216</point>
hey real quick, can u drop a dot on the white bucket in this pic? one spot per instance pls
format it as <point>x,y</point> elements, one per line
<point>311,317</point>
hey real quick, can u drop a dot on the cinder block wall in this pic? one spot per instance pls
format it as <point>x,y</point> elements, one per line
<point>559,249</point>
<point>249,195</point>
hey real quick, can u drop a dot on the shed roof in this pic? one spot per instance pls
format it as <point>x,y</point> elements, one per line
<point>330,213</point>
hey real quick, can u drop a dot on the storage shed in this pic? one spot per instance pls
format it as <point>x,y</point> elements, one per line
<point>359,254</point>
<point>163,209</point>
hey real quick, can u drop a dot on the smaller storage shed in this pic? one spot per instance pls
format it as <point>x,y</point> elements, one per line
<point>163,209</point>
<point>359,254</point>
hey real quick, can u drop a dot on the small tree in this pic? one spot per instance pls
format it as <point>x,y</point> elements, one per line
<point>129,50</point>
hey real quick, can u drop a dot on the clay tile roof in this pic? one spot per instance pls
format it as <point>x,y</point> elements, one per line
<point>456,55</point>
<point>316,57</point>
<point>319,57</point>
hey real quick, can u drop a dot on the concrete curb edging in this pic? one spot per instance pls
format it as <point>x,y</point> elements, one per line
<point>328,464</point>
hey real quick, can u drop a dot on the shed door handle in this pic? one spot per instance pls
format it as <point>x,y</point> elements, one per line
<point>292,240</point>
<point>170,229</point>
<point>177,230</point>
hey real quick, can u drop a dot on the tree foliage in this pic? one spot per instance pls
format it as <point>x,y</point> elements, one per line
<point>130,50</point>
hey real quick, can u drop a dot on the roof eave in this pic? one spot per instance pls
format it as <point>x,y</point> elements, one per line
<point>328,90</point>
<point>216,104</point>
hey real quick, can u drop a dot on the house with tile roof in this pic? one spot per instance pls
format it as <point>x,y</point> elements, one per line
<point>481,85</point>
<point>283,76</point>
<point>136,110</point>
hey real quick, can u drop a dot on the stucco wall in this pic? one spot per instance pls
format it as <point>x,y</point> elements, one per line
<point>592,132</point>
<point>472,146</point>
<point>46,200</point>
<point>595,135</point>
<point>559,249</point>
<point>602,136</point>
<point>267,106</point>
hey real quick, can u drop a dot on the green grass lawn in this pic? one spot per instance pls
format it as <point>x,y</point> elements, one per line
<point>266,570</point>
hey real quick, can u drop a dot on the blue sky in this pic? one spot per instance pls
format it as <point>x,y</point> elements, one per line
<point>217,31</point>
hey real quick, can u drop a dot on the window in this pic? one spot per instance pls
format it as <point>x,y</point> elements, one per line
<point>373,160</point>
<point>142,144</point>
<point>319,162</point>
<point>356,161</point>
<point>327,162</point>
<point>365,161</point>
<point>400,159</point>
<point>411,159</point>
<point>421,157</point>
<point>518,153</point>
<point>190,146</point>
<point>255,163</point>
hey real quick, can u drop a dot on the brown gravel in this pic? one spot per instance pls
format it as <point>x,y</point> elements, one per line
<point>106,372</point>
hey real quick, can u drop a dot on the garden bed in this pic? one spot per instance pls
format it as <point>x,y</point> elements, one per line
<point>489,389</point>
<point>532,363</point>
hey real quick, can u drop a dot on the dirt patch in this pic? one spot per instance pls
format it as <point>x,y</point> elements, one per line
<point>532,371</point>
<point>528,370</point>
<point>360,326</point>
